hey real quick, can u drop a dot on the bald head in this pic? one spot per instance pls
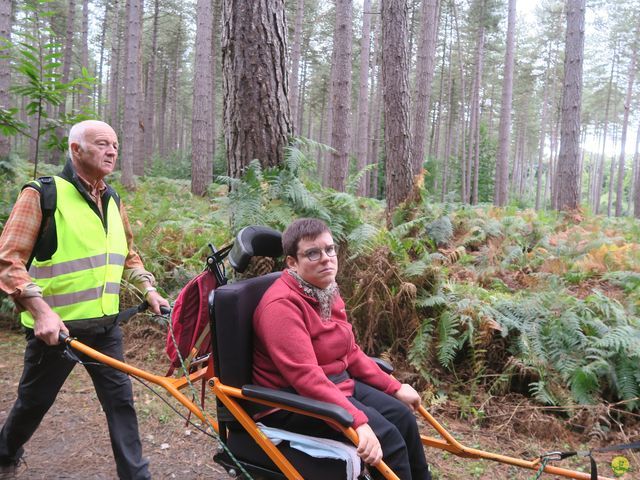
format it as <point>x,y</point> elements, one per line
<point>93,146</point>
<point>79,130</point>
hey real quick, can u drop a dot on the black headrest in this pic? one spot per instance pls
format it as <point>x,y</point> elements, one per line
<point>254,241</point>
<point>233,307</point>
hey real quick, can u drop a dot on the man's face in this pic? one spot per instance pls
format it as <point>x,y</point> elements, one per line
<point>322,272</point>
<point>95,157</point>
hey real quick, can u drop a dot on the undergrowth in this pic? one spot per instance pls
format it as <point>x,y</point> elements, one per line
<point>459,297</point>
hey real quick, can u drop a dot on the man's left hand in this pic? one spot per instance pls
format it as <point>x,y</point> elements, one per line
<point>155,301</point>
<point>407,395</point>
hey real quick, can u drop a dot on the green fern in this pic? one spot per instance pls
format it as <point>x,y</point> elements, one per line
<point>419,351</point>
<point>448,344</point>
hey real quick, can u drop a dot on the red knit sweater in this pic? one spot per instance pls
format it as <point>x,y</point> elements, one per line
<point>294,347</point>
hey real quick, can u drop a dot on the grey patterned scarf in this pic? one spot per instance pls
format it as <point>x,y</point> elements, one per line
<point>324,296</point>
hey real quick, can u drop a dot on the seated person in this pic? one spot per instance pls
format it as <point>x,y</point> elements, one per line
<point>303,341</point>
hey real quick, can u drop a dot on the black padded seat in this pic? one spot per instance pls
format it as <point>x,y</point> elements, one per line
<point>232,307</point>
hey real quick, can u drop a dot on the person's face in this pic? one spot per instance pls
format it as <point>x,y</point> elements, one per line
<point>322,272</point>
<point>96,156</point>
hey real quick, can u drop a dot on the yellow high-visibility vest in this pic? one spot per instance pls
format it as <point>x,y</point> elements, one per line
<point>81,280</point>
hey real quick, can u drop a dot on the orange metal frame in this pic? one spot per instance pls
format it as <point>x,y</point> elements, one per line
<point>229,396</point>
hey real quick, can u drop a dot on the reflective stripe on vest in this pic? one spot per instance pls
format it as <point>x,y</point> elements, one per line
<point>82,278</point>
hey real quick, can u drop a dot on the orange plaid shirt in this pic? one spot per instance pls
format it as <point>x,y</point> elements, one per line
<point>20,234</point>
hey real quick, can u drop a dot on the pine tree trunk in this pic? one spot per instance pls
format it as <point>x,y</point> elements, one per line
<point>296,51</point>
<point>501,192</point>
<point>634,172</point>
<point>424,78</point>
<point>84,100</point>
<point>625,125</point>
<point>543,133</point>
<point>395,85</point>
<point>341,89</point>
<point>567,180</point>
<point>636,183</point>
<point>150,94</point>
<point>5,71</point>
<point>256,104</point>
<point>131,123</point>
<point>115,63</point>
<point>97,89</point>
<point>361,131</point>
<point>201,128</point>
<point>54,155</point>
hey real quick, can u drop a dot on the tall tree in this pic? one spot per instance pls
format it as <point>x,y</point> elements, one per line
<point>66,72</point>
<point>115,62</point>
<point>131,123</point>
<point>256,105</point>
<point>150,93</point>
<point>85,98</point>
<point>567,195</point>
<point>201,128</point>
<point>625,124</point>
<point>424,78</point>
<point>5,70</point>
<point>296,52</point>
<point>362,132</point>
<point>501,192</point>
<point>341,95</point>
<point>395,86</point>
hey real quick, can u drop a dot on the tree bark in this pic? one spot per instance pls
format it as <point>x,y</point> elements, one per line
<point>5,71</point>
<point>296,51</point>
<point>361,132</point>
<point>501,191</point>
<point>256,105</point>
<point>341,90</point>
<point>424,79</point>
<point>150,94</point>
<point>54,155</point>
<point>131,124</point>
<point>115,63</point>
<point>625,125</point>
<point>636,182</point>
<point>85,97</point>
<point>201,128</point>
<point>395,85</point>
<point>567,181</point>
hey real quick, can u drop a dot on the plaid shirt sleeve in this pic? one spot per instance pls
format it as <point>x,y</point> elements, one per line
<point>134,270</point>
<point>16,244</point>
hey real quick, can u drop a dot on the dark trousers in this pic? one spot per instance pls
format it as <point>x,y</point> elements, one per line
<point>45,371</point>
<point>391,420</point>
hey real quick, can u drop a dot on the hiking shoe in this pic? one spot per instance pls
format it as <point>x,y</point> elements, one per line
<point>12,470</point>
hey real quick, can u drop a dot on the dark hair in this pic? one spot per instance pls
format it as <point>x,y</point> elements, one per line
<point>301,229</point>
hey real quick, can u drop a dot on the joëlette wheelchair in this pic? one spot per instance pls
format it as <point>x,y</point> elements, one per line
<point>244,449</point>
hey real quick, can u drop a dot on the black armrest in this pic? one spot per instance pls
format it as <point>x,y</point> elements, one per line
<point>289,399</point>
<point>385,366</point>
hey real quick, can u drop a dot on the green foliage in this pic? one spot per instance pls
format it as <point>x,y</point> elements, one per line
<point>36,61</point>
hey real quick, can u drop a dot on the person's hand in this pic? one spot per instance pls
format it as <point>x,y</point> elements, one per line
<point>155,301</point>
<point>407,395</point>
<point>47,324</point>
<point>369,449</point>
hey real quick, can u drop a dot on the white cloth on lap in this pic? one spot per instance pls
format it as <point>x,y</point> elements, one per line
<point>317,447</point>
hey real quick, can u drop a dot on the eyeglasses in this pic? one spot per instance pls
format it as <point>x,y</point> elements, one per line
<point>315,254</point>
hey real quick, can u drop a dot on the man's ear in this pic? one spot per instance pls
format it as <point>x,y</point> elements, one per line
<point>74,146</point>
<point>291,262</point>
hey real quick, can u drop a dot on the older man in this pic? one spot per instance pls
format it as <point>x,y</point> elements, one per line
<point>62,266</point>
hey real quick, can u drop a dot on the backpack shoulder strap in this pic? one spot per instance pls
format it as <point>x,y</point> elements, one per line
<point>46,186</point>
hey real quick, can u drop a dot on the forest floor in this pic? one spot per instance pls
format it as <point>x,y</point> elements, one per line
<point>73,442</point>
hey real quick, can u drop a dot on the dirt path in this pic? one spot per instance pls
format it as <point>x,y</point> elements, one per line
<point>73,443</point>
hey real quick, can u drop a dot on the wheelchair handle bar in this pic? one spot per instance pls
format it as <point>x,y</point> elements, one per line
<point>122,316</point>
